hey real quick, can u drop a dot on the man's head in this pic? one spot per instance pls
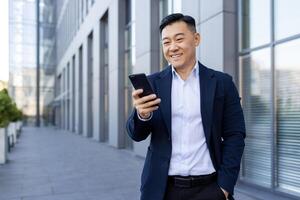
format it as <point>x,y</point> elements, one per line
<point>176,17</point>
<point>179,40</point>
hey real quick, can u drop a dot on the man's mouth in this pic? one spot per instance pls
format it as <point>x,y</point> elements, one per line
<point>176,55</point>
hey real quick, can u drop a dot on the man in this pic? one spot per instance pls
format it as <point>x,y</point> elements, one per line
<point>195,121</point>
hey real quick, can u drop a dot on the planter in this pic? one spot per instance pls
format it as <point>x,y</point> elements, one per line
<point>3,145</point>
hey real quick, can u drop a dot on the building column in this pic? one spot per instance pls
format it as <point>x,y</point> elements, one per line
<point>116,21</point>
<point>67,96</point>
<point>71,97</point>
<point>79,89</point>
<point>218,30</point>
<point>85,80</point>
<point>147,48</point>
<point>96,82</point>
<point>65,99</point>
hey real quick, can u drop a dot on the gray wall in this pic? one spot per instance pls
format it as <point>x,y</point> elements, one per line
<point>216,22</point>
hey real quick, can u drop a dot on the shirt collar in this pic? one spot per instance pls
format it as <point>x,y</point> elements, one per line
<point>195,71</point>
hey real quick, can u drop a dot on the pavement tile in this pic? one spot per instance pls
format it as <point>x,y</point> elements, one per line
<point>52,164</point>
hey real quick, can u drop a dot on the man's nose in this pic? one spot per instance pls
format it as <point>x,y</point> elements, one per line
<point>173,47</point>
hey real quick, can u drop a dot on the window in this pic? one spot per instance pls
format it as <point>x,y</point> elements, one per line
<point>104,82</point>
<point>287,18</point>
<point>270,88</point>
<point>256,91</point>
<point>256,23</point>
<point>287,64</point>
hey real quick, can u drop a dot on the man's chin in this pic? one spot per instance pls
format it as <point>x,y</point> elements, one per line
<point>177,66</point>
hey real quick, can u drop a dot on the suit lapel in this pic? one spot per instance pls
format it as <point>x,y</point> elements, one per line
<point>163,86</point>
<point>207,91</point>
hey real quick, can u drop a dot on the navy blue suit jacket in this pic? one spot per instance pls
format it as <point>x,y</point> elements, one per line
<point>223,124</point>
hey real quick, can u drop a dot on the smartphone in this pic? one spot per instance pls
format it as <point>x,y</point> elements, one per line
<point>140,81</point>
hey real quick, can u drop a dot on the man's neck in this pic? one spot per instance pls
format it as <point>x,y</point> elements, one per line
<point>185,71</point>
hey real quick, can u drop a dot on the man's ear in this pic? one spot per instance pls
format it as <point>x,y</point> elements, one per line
<point>197,39</point>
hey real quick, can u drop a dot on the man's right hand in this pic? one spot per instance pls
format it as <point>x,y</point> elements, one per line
<point>144,105</point>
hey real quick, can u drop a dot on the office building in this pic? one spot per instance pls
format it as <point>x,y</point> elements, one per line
<point>23,54</point>
<point>99,43</point>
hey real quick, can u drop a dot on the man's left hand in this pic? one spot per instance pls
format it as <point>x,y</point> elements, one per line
<point>225,193</point>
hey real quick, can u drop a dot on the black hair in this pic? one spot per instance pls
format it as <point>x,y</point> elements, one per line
<point>176,17</point>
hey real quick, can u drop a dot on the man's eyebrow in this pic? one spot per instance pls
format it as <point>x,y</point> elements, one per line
<point>177,34</point>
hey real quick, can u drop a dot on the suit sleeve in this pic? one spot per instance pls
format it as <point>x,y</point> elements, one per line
<point>137,129</point>
<point>233,138</point>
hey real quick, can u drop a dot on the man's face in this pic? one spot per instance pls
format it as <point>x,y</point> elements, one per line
<point>179,44</point>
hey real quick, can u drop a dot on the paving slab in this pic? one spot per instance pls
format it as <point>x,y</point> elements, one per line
<point>53,164</point>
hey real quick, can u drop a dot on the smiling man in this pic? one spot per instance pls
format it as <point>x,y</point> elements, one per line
<point>195,121</point>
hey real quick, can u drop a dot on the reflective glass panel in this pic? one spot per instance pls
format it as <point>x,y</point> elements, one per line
<point>287,18</point>
<point>287,64</point>
<point>256,23</point>
<point>256,100</point>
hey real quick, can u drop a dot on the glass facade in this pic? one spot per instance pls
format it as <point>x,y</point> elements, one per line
<point>256,86</point>
<point>22,56</point>
<point>80,89</point>
<point>69,21</point>
<point>104,81</point>
<point>256,23</point>
<point>287,73</point>
<point>90,74</point>
<point>47,60</point>
<point>269,84</point>
<point>287,18</point>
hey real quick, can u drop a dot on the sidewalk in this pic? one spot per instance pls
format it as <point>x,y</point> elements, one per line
<point>50,164</point>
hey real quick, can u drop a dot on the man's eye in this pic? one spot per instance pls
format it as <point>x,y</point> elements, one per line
<point>166,43</point>
<point>179,39</point>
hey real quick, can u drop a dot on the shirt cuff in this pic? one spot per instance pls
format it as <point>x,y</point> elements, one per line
<point>147,119</point>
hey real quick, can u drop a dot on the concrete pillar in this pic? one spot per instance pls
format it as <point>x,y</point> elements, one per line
<point>63,99</point>
<point>116,21</point>
<point>67,99</point>
<point>218,29</point>
<point>85,80</point>
<point>96,82</point>
<point>71,97</point>
<point>79,88</point>
<point>147,47</point>
<point>191,7</point>
<point>76,91</point>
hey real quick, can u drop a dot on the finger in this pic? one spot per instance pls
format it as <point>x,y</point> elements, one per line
<point>146,111</point>
<point>150,103</point>
<point>136,93</point>
<point>145,99</point>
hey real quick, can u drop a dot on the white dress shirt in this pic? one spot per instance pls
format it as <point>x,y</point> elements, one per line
<point>190,155</point>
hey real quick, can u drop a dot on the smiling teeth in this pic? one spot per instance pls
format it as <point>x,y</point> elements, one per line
<point>174,56</point>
